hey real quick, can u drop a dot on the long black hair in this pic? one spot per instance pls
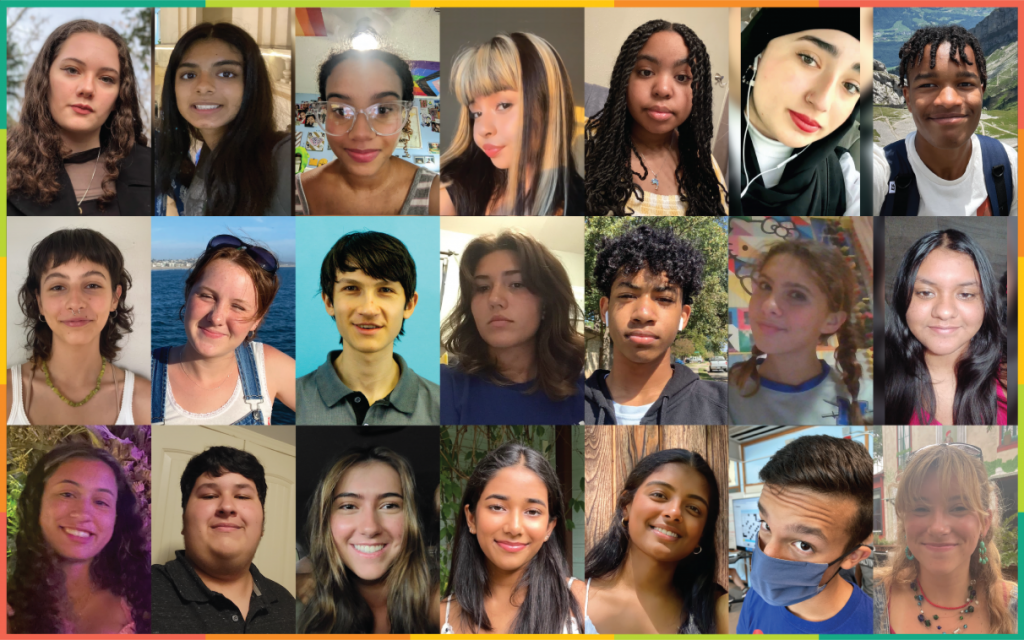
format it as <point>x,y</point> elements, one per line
<point>694,578</point>
<point>548,602</point>
<point>241,178</point>
<point>908,384</point>
<point>609,144</point>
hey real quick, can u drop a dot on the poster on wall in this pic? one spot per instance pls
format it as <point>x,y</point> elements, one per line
<point>315,141</point>
<point>413,139</point>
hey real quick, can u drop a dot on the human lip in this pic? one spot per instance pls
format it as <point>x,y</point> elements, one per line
<point>492,150</point>
<point>226,527</point>
<point>769,329</point>
<point>641,337</point>
<point>667,534</point>
<point>659,113</point>
<point>944,331</point>
<point>369,550</point>
<point>500,321</point>
<point>206,107</point>
<point>78,535</point>
<point>81,109</point>
<point>362,155</point>
<point>804,123</point>
<point>76,322</point>
<point>209,333</point>
<point>511,547</point>
<point>939,547</point>
<point>948,118</point>
<point>368,329</point>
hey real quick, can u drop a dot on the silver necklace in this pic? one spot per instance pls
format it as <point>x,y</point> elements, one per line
<point>89,186</point>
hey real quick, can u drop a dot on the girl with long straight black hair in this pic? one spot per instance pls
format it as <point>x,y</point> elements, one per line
<point>945,339</point>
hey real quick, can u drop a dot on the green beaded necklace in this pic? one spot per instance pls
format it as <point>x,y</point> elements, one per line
<point>920,598</point>
<point>99,382</point>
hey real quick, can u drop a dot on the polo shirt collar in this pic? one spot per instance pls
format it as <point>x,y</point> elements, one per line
<point>192,588</point>
<point>333,391</point>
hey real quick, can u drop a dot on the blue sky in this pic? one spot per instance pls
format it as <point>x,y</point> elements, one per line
<point>181,238</point>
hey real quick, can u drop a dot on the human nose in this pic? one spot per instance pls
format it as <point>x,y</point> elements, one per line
<point>822,92</point>
<point>204,83</point>
<point>86,85</point>
<point>360,128</point>
<point>944,308</point>
<point>672,510</point>
<point>498,296</point>
<point>75,300</point>
<point>662,87</point>
<point>368,306</point>
<point>226,505</point>
<point>513,523</point>
<point>949,97</point>
<point>484,125</point>
<point>368,523</point>
<point>770,306</point>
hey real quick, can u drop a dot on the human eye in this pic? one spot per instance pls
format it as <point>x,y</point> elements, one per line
<point>57,288</point>
<point>644,72</point>
<point>851,88</point>
<point>387,290</point>
<point>968,296</point>
<point>70,70</point>
<point>683,78</point>
<point>803,547</point>
<point>923,293</point>
<point>807,60</point>
<point>798,296</point>
<point>761,285</point>
<point>533,512</point>
<point>109,80</point>
<point>482,288</point>
<point>390,506</point>
<point>187,75</point>
<point>764,526</point>
<point>66,494</point>
<point>208,496</point>
<point>228,74</point>
<point>346,506</point>
<point>657,495</point>
<point>694,509</point>
<point>384,108</point>
<point>495,507</point>
<point>102,503</point>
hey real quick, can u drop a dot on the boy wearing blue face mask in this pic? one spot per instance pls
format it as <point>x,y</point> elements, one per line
<point>816,511</point>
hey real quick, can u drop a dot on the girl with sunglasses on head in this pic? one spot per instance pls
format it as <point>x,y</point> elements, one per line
<point>79,147</point>
<point>74,304</point>
<point>217,92</point>
<point>221,376</point>
<point>365,102</point>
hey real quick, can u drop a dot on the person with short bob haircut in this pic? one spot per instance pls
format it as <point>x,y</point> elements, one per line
<point>368,285</point>
<point>212,586</point>
<point>817,511</point>
<point>515,354</point>
<point>74,303</point>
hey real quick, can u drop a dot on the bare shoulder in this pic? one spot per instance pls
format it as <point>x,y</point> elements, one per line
<point>447,206</point>
<point>579,590</point>
<point>142,401</point>
<point>273,355</point>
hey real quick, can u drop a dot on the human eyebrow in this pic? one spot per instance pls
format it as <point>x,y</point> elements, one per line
<point>624,284</point>
<point>219,63</point>
<point>972,283</point>
<point>214,485</point>
<point>76,60</point>
<point>796,285</point>
<point>796,528</point>
<point>386,94</point>
<point>649,58</point>
<point>824,46</point>
<point>101,489</point>
<point>57,274</point>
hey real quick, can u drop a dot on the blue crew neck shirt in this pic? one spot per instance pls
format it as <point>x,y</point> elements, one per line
<point>757,616</point>
<point>467,399</point>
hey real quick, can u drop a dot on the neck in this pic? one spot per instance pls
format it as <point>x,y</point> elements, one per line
<point>518,363</point>
<point>207,370</point>
<point>791,368</point>
<point>75,364</point>
<point>948,589</point>
<point>826,604</point>
<point>638,382</point>
<point>83,141</point>
<point>652,142</point>
<point>374,593</point>
<point>372,374</point>
<point>641,573</point>
<point>211,137</point>
<point>76,576</point>
<point>223,578</point>
<point>501,584</point>
<point>371,183</point>
<point>941,368</point>
<point>947,164</point>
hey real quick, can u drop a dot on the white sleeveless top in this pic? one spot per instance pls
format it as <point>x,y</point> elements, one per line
<point>233,410</point>
<point>19,417</point>
<point>588,626</point>
<point>572,627</point>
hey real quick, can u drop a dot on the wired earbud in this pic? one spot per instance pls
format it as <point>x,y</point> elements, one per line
<point>746,132</point>
<point>753,76</point>
<point>681,324</point>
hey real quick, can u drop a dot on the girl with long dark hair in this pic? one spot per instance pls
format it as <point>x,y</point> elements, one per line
<point>79,146</point>
<point>512,150</point>
<point>82,560</point>
<point>946,338</point>
<point>648,151</point>
<point>508,572</point>
<point>660,543</point>
<point>217,92</point>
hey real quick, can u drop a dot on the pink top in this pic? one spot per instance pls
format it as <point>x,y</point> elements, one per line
<point>920,417</point>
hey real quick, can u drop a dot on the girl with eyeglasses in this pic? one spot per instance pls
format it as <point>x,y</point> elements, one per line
<point>365,102</point>
<point>221,375</point>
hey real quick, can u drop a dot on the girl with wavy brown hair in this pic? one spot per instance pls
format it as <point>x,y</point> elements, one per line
<point>79,147</point>
<point>515,356</point>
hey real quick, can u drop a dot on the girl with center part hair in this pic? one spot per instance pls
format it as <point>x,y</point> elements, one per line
<point>364,107</point>
<point>512,150</point>
<point>804,292</point>
<point>370,564</point>
<point>648,151</point>
<point>79,147</point>
<point>800,98</point>
<point>66,583</point>
<point>515,356</point>
<point>217,92</point>
<point>947,578</point>
<point>945,339</point>
<point>221,375</point>
<point>74,303</point>
<point>661,539</point>
<point>508,573</point>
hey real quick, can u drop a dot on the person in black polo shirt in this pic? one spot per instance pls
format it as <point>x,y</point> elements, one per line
<point>213,586</point>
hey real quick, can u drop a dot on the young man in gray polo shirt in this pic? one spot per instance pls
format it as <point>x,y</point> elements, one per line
<point>213,586</point>
<point>368,284</point>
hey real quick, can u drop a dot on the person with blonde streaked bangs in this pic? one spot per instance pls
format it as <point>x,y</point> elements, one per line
<point>500,162</point>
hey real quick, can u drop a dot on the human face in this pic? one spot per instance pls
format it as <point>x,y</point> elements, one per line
<point>79,509</point>
<point>945,101</point>
<point>85,80</point>
<point>369,312</point>
<point>789,312</point>
<point>946,307</point>
<point>661,85</point>
<point>76,299</point>
<point>805,526</point>
<point>512,519</point>
<point>643,315</point>
<point>223,521</point>
<point>209,85</point>
<point>507,314</point>
<point>221,309</point>
<point>497,126</point>
<point>368,519</point>
<point>807,85</point>
<point>942,531</point>
<point>667,515</point>
<point>360,83</point>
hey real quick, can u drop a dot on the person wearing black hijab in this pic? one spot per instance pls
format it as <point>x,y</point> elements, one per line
<point>800,97</point>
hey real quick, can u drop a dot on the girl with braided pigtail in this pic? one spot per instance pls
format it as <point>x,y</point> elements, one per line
<point>648,151</point>
<point>803,293</point>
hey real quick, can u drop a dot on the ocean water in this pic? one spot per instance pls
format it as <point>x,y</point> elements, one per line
<point>277,330</point>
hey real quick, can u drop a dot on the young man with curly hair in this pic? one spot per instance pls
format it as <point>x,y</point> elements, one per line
<point>648,279</point>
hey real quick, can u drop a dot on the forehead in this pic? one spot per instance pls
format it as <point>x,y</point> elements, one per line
<point>211,50</point>
<point>496,262</point>
<point>933,488</point>
<point>784,508</point>
<point>91,48</point>
<point>847,48</point>
<point>89,474</point>
<point>363,77</point>
<point>77,268</point>
<point>942,60</point>
<point>667,46</point>
<point>944,266</point>
<point>787,268</point>
<point>361,277</point>
<point>682,478</point>
<point>228,278</point>
<point>227,480</point>
<point>369,479</point>
<point>644,278</point>
<point>517,481</point>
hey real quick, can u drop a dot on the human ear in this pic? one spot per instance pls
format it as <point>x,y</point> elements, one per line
<point>906,97</point>
<point>410,305</point>
<point>684,319</point>
<point>328,304</point>
<point>602,304</point>
<point>551,527</point>
<point>117,298</point>
<point>470,521</point>
<point>855,557</point>
<point>833,322</point>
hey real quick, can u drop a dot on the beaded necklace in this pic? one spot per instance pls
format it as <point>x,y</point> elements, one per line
<point>920,598</point>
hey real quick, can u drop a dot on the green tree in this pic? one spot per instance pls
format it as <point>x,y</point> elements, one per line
<point>683,348</point>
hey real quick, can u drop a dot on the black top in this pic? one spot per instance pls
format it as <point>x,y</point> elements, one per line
<point>134,191</point>
<point>686,399</point>
<point>182,603</point>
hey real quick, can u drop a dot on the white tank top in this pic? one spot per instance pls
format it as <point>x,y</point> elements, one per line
<point>233,410</point>
<point>19,417</point>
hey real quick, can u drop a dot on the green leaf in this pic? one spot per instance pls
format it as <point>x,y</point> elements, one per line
<point>570,525</point>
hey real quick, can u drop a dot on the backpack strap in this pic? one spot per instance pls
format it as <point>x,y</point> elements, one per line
<point>158,374</point>
<point>247,371</point>
<point>995,165</point>
<point>903,198</point>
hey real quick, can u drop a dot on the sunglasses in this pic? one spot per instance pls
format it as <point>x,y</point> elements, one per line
<point>263,258</point>
<point>969,449</point>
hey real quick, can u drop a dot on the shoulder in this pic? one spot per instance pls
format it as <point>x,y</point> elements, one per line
<point>274,357</point>
<point>268,586</point>
<point>447,206</point>
<point>579,591</point>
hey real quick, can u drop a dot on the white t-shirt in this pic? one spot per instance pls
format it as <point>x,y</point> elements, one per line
<point>625,414</point>
<point>821,401</point>
<point>960,197</point>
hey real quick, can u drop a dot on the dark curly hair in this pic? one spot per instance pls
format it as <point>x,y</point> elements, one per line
<point>35,149</point>
<point>37,588</point>
<point>217,461</point>
<point>609,144</point>
<point>658,251</point>
<point>912,51</point>
<point>62,247</point>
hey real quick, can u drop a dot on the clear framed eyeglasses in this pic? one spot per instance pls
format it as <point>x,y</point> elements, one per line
<point>337,118</point>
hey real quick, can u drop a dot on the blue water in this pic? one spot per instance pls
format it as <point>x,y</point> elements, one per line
<point>277,330</point>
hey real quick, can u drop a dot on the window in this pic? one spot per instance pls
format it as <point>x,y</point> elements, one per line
<point>878,510</point>
<point>1007,437</point>
<point>902,446</point>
